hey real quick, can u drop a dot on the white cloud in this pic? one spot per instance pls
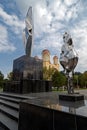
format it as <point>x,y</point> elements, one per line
<point>79,33</point>
<point>51,21</point>
<point>24,5</point>
<point>12,21</point>
<point>5,45</point>
<point>43,15</point>
<point>70,2</point>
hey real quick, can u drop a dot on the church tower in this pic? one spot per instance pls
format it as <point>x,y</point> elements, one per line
<point>46,58</point>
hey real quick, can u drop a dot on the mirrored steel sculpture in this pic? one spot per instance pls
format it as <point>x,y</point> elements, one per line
<point>68,60</point>
<point>28,32</point>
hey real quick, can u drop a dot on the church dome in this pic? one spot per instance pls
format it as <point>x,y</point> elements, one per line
<point>55,59</point>
<point>45,51</point>
<point>46,55</point>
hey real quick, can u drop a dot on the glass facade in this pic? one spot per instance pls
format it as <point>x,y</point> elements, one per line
<point>27,68</point>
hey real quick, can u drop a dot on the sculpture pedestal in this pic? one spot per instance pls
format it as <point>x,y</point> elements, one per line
<point>27,86</point>
<point>27,77</point>
<point>26,67</point>
<point>71,97</point>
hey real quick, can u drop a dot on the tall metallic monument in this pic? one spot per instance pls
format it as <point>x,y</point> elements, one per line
<point>28,70</point>
<point>28,66</point>
<point>69,60</point>
<point>28,32</point>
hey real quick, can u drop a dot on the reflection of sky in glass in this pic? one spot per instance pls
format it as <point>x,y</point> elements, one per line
<point>25,36</point>
<point>26,33</point>
<point>29,15</point>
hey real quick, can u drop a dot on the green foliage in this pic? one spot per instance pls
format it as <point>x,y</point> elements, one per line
<point>1,79</point>
<point>10,76</point>
<point>47,73</point>
<point>83,80</point>
<point>1,76</point>
<point>58,79</point>
<point>75,81</point>
<point>80,79</point>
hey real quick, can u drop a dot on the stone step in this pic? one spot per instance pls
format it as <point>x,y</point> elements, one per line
<point>3,127</point>
<point>11,113</point>
<point>8,122</point>
<point>12,105</point>
<point>9,109</point>
<point>10,99</point>
<point>16,96</point>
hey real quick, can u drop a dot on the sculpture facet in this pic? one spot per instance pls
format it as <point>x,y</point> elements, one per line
<point>69,60</point>
<point>27,32</point>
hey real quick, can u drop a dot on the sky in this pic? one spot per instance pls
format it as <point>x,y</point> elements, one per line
<point>51,19</point>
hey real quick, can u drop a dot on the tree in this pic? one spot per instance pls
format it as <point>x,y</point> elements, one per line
<point>10,76</point>
<point>58,79</point>
<point>1,76</point>
<point>47,73</point>
<point>82,79</point>
<point>85,78</point>
<point>1,79</point>
<point>75,80</point>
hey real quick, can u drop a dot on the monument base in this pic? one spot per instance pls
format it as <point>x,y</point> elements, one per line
<point>27,86</point>
<point>71,97</point>
<point>27,77</point>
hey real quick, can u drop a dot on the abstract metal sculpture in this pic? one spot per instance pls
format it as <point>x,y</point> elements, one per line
<point>27,32</point>
<point>68,60</point>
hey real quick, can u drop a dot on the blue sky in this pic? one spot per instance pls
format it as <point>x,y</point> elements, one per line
<point>51,19</point>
